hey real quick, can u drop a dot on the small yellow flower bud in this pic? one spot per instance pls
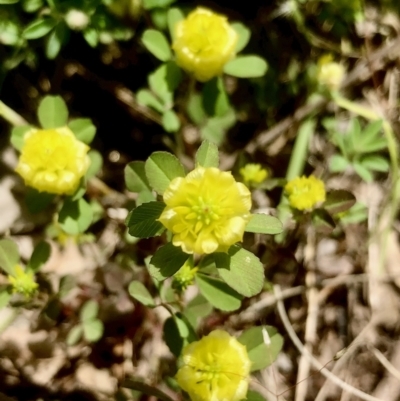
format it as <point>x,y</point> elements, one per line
<point>185,275</point>
<point>253,173</point>
<point>207,211</point>
<point>215,368</point>
<point>305,192</point>
<point>23,282</point>
<point>329,73</point>
<point>53,160</point>
<point>204,43</point>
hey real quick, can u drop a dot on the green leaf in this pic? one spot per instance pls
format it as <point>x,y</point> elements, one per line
<point>31,6</point>
<point>40,256</point>
<point>96,163</point>
<point>254,396</point>
<point>74,335</point>
<point>357,214</point>
<point>338,164</point>
<point>89,310</point>
<point>39,28</point>
<point>174,16</point>
<point>150,4</point>
<point>175,331</point>
<point>322,221</point>
<point>75,217</point>
<point>215,99</point>
<point>135,177</point>
<point>164,80</point>
<point>142,221</point>
<point>262,352</point>
<point>157,44</point>
<point>9,256</point>
<point>170,121</point>
<point>244,34</point>
<point>67,283</point>
<point>195,109</point>
<point>363,172</point>
<point>264,224</point>
<point>93,330</point>
<point>55,40</point>
<point>207,155</point>
<point>246,67</point>
<point>37,201</point>
<point>338,201</point>
<point>370,139</point>
<point>216,127</point>
<point>218,293</point>
<point>161,168</point>
<point>9,1</point>
<point>5,297</point>
<point>52,112</point>
<point>375,163</point>
<point>167,260</point>
<point>83,129</point>
<point>146,98</point>
<point>241,270</point>
<point>91,36</point>
<point>196,309</point>
<point>17,136</point>
<point>139,292</point>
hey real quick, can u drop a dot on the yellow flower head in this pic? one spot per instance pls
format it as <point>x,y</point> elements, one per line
<point>207,211</point>
<point>204,43</point>
<point>23,282</point>
<point>53,160</point>
<point>305,192</point>
<point>253,173</point>
<point>330,73</point>
<point>216,368</point>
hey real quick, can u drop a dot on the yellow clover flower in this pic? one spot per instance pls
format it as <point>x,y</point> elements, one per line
<point>330,73</point>
<point>53,160</point>
<point>305,192</point>
<point>204,42</point>
<point>253,173</point>
<point>207,211</point>
<point>216,368</point>
<point>23,282</point>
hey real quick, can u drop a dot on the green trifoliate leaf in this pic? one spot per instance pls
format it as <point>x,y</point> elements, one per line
<point>322,221</point>
<point>83,129</point>
<point>157,44</point>
<point>142,221</point>
<point>93,330</point>
<point>264,224</point>
<point>263,345</point>
<point>241,270</point>
<point>75,217</point>
<point>135,177</point>
<point>55,40</point>
<point>161,168</point>
<point>246,67</point>
<point>174,16</point>
<point>17,136</point>
<point>40,256</point>
<point>219,294</point>
<point>52,112</point>
<point>39,28</point>
<point>244,35</point>
<point>167,261</point>
<point>207,155</point>
<point>9,256</point>
<point>89,310</point>
<point>146,98</point>
<point>170,121</point>
<point>96,163</point>
<point>139,292</point>
<point>338,201</point>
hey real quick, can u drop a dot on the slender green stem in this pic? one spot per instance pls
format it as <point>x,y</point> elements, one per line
<point>11,116</point>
